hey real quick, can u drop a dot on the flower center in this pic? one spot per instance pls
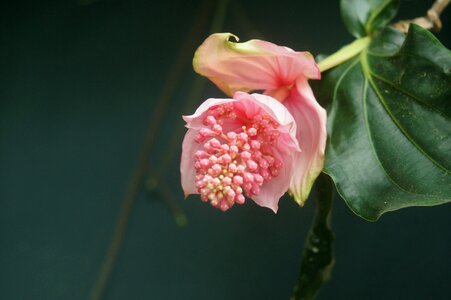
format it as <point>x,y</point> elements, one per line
<point>281,93</point>
<point>238,162</point>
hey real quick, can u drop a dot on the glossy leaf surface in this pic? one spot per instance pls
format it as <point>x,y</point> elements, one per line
<point>389,141</point>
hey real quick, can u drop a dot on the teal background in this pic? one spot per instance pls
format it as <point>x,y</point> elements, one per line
<point>79,82</point>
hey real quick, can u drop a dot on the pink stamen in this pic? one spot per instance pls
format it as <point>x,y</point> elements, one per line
<point>234,164</point>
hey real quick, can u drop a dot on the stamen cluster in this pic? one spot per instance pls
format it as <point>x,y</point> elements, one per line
<point>234,163</point>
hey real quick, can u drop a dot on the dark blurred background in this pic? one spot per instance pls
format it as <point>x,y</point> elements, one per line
<point>80,81</point>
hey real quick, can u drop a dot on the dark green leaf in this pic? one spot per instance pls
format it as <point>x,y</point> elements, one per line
<point>389,142</point>
<point>363,17</point>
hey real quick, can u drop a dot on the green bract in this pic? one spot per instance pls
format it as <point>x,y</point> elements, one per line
<point>389,143</point>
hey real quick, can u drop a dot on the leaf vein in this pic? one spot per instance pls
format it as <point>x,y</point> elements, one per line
<point>370,140</point>
<point>367,72</point>
<point>409,94</point>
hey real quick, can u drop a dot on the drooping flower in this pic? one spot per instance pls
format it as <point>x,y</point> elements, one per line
<point>239,147</point>
<point>283,74</point>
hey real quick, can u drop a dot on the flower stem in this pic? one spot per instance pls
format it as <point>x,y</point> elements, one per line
<point>317,258</point>
<point>345,53</point>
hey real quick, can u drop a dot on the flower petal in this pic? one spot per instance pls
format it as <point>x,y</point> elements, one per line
<point>253,65</point>
<point>276,110</point>
<point>311,133</point>
<point>194,121</point>
<point>272,191</point>
<point>187,170</point>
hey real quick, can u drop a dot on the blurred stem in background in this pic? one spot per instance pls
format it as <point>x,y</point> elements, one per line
<point>182,60</point>
<point>155,185</point>
<point>317,258</point>
<point>155,175</point>
<point>430,21</point>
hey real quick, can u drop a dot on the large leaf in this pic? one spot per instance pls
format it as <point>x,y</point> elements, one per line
<point>363,17</point>
<point>389,143</point>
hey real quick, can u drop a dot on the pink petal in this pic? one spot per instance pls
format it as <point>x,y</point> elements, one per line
<point>272,191</point>
<point>187,171</point>
<point>195,121</point>
<point>311,134</point>
<point>253,65</point>
<point>276,110</point>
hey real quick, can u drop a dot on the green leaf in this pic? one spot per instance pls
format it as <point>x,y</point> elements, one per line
<point>389,126</point>
<point>363,17</point>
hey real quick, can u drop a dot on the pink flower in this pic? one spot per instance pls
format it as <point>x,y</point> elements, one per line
<point>283,74</point>
<point>239,147</point>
